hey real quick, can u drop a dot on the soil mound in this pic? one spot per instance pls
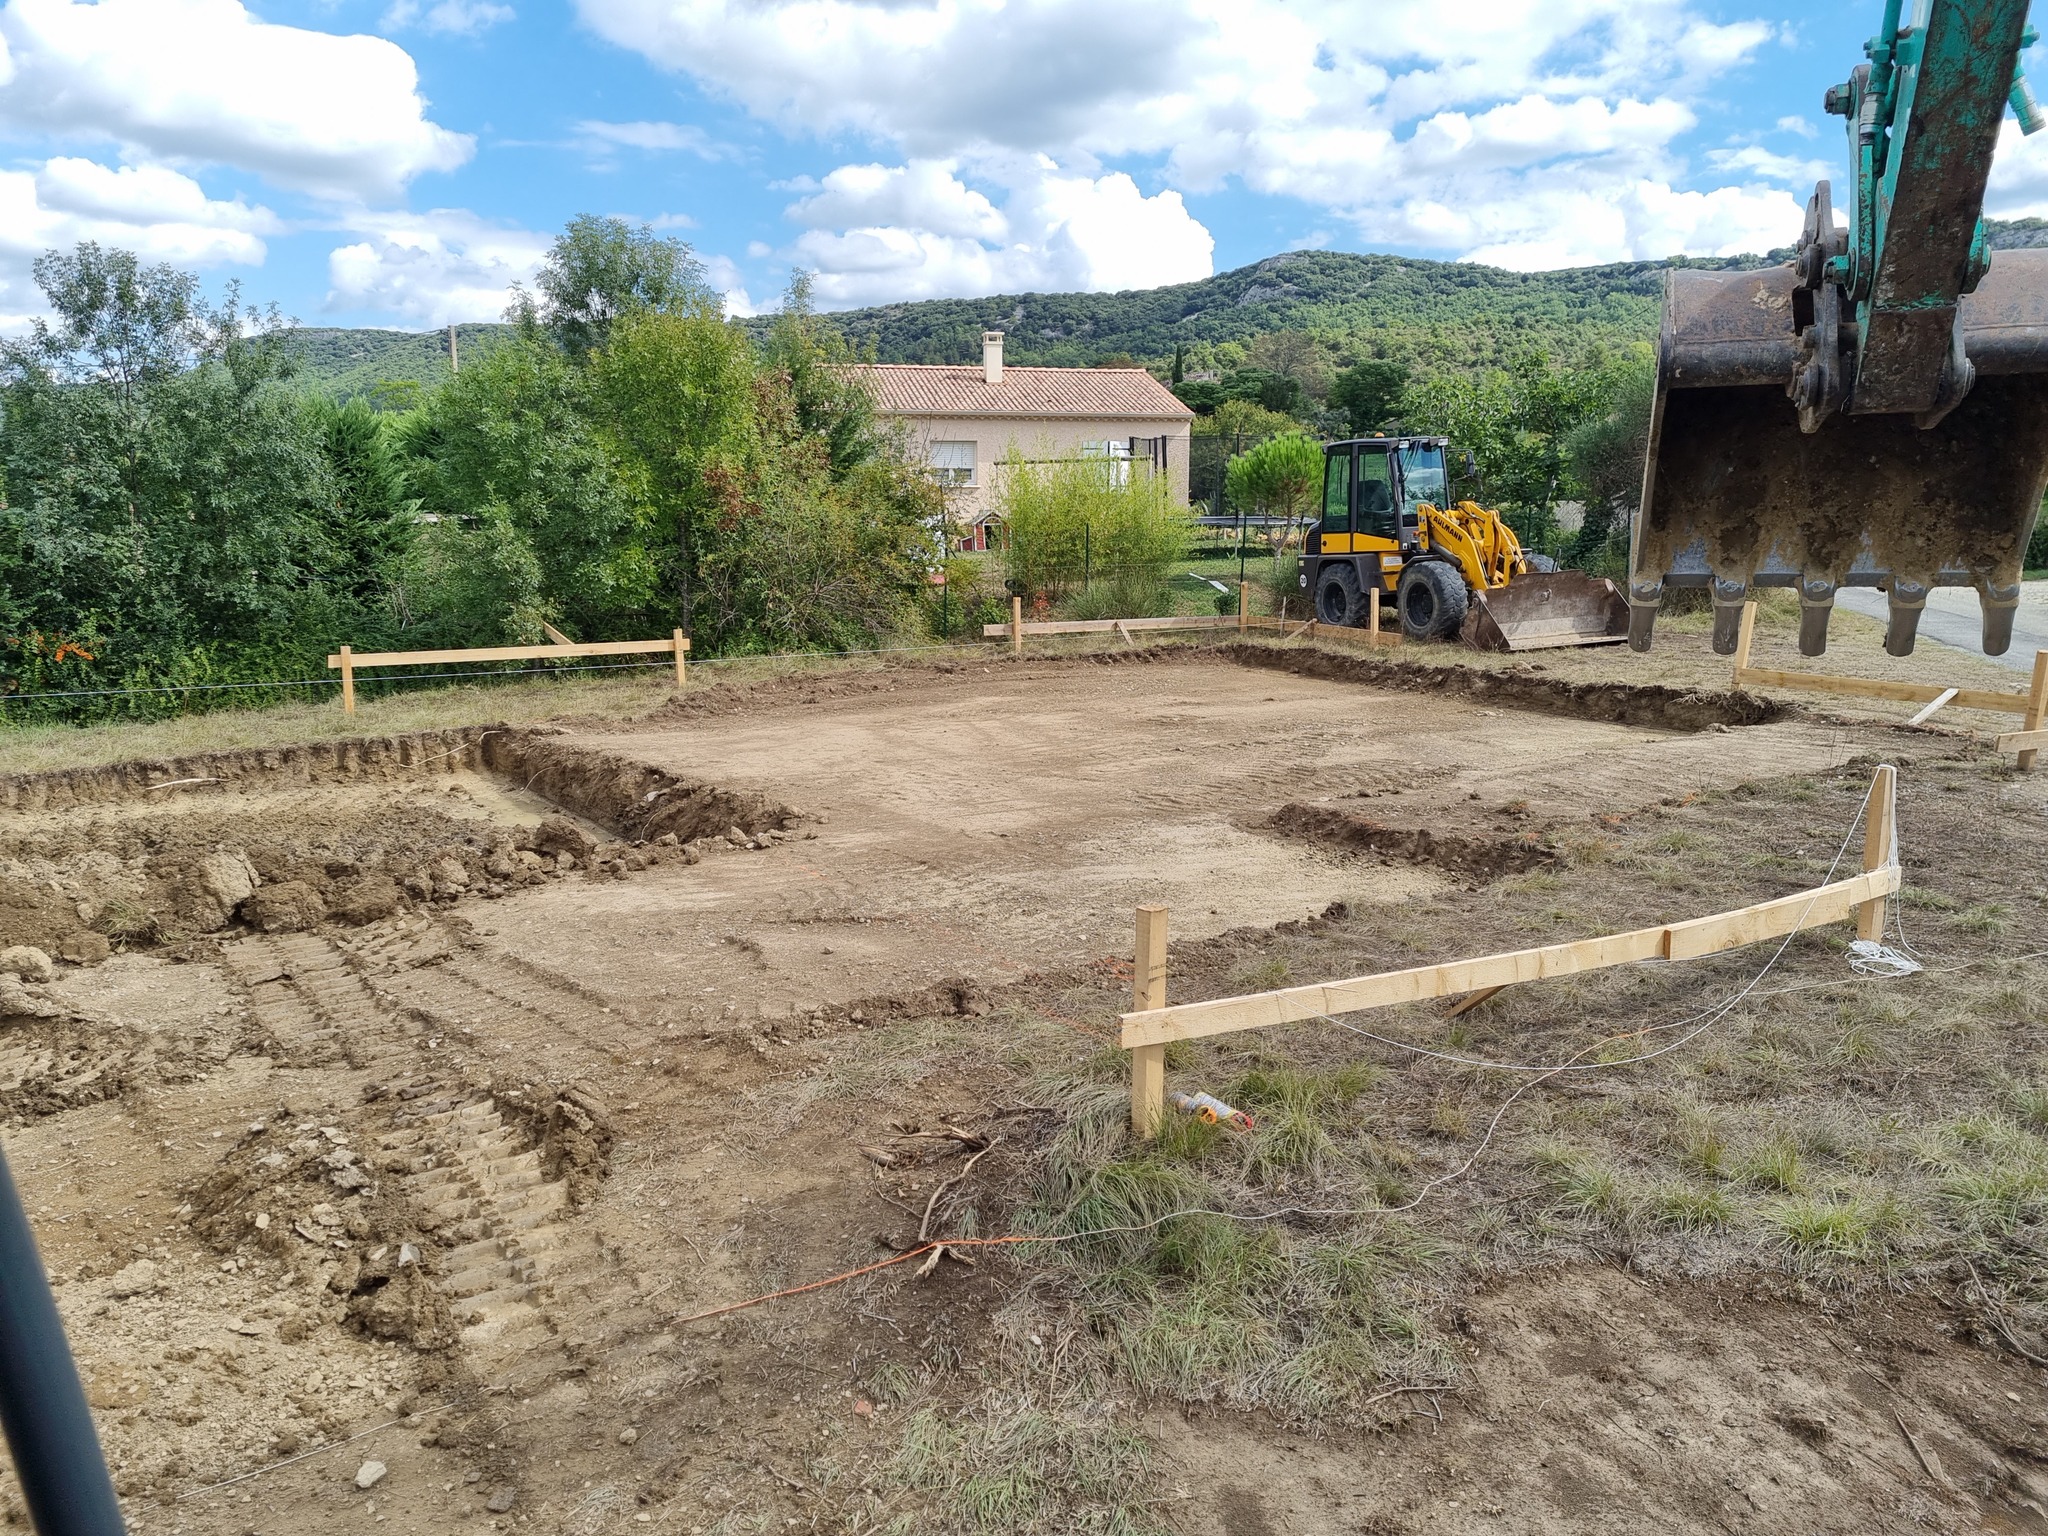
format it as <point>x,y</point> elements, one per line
<point>1653,705</point>
<point>1477,859</point>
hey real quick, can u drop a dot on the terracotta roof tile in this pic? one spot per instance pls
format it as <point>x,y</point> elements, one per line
<point>915,389</point>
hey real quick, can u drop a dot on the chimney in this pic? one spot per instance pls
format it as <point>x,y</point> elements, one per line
<point>992,356</point>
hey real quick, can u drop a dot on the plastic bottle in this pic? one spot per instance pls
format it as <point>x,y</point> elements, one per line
<point>1212,1109</point>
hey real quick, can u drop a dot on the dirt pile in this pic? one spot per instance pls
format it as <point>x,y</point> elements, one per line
<point>636,801</point>
<point>1476,859</point>
<point>373,758</point>
<point>1653,705</point>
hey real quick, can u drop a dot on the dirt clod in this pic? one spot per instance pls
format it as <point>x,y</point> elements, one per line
<point>27,962</point>
<point>287,907</point>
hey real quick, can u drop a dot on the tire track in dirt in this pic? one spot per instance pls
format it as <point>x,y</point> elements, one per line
<point>534,1294</point>
<point>49,1066</point>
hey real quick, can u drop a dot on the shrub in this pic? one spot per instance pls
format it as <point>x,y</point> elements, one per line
<point>1107,521</point>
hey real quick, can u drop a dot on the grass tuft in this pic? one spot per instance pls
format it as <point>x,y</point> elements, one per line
<point>1773,1163</point>
<point>1684,1207</point>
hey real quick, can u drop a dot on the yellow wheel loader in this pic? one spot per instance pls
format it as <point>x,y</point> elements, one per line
<point>1452,571</point>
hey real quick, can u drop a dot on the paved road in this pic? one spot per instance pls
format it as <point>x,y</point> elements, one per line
<point>1953,618</point>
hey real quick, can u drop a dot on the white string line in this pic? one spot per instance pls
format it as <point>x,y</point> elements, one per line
<point>1572,1063</point>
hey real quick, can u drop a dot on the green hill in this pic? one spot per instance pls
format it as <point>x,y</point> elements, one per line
<point>366,362</point>
<point>1430,313</point>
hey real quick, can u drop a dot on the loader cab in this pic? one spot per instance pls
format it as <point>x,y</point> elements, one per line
<point>1372,487</point>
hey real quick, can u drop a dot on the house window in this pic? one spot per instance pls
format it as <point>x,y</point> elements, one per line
<point>1118,451</point>
<point>953,463</point>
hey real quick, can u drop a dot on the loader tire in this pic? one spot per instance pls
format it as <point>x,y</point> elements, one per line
<point>1338,600</point>
<point>1433,601</point>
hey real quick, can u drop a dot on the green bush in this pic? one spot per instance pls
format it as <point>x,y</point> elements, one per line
<point>1112,527</point>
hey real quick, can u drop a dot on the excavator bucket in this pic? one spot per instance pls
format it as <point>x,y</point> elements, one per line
<point>1736,495</point>
<point>1540,612</point>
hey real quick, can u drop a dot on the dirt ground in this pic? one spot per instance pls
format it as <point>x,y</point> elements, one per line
<point>405,1104</point>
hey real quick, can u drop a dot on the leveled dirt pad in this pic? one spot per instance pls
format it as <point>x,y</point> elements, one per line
<point>433,1090</point>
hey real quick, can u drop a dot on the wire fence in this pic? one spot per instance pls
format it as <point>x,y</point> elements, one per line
<point>399,681</point>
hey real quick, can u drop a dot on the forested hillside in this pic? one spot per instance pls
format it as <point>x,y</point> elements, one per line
<point>1426,313</point>
<point>347,363</point>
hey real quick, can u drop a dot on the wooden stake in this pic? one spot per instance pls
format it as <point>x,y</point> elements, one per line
<point>1948,696</point>
<point>1880,823</point>
<point>348,682</point>
<point>1148,990</point>
<point>682,658</point>
<point>1743,639</point>
<point>1372,604</point>
<point>1016,626</point>
<point>2037,708</point>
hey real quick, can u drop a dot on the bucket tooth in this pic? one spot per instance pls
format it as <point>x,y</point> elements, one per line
<point>1999,603</point>
<point>1729,597</point>
<point>1644,599</point>
<point>1816,607</point>
<point>1908,600</point>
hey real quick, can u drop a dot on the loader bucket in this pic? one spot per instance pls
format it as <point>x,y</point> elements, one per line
<point>1736,496</point>
<point>1542,612</point>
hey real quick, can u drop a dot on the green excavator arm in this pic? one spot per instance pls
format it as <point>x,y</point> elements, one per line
<point>1875,413</point>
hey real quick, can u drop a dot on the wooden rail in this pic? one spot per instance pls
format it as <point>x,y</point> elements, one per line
<point>1152,1025</point>
<point>1369,633</point>
<point>346,660</point>
<point>1874,688</point>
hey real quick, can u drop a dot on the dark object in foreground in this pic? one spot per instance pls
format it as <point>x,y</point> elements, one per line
<point>42,1405</point>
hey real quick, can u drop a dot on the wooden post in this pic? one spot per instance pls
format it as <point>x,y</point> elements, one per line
<point>1148,990</point>
<point>1880,821</point>
<point>682,659</point>
<point>1016,626</point>
<point>2037,708</point>
<point>348,682</point>
<point>1372,610</point>
<point>1244,606</point>
<point>1742,639</point>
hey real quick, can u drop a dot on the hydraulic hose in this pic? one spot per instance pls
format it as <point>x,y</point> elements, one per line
<point>42,1405</point>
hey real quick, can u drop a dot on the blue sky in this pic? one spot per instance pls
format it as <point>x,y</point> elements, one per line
<point>400,162</point>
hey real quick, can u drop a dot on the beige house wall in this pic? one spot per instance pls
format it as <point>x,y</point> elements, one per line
<point>1035,437</point>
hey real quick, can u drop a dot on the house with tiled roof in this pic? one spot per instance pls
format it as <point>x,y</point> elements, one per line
<point>966,421</point>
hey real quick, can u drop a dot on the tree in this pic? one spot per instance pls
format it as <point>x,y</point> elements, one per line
<point>166,492</point>
<point>536,519</point>
<point>1281,477</point>
<point>599,269</point>
<point>1369,393</point>
<point>1294,355</point>
<point>373,519</point>
<point>1514,421</point>
<point>1245,421</point>
<point>680,394</point>
<point>1607,453</point>
<point>830,399</point>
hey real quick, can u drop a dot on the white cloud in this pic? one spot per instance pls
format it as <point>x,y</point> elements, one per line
<point>158,213</point>
<point>431,268</point>
<point>724,276</point>
<point>687,137</point>
<point>1791,170</point>
<point>1399,117</point>
<point>1798,125</point>
<point>205,81</point>
<point>453,18</point>
<point>1568,226</point>
<point>918,231</point>
<point>2019,175</point>
<point>925,194</point>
